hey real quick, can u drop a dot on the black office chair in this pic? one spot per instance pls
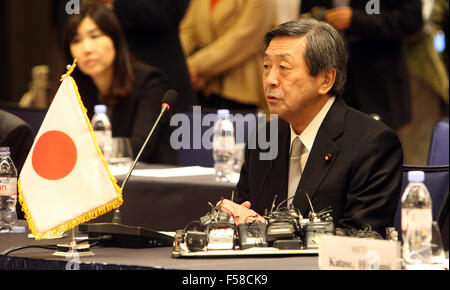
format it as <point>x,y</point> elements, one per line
<point>443,222</point>
<point>439,148</point>
<point>436,180</point>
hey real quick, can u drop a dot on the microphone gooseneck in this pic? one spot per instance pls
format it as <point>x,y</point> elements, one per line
<point>168,100</point>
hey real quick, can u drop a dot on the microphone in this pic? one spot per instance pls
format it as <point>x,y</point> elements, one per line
<point>167,100</point>
<point>131,236</point>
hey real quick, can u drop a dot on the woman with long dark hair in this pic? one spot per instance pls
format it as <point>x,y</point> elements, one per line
<point>107,74</point>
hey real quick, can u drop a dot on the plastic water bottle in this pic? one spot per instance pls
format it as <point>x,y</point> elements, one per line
<point>8,191</point>
<point>102,130</point>
<point>416,221</point>
<point>223,145</point>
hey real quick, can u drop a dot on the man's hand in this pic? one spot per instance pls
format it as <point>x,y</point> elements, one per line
<point>239,212</point>
<point>340,17</point>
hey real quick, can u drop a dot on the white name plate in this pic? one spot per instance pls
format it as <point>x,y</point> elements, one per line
<point>346,253</point>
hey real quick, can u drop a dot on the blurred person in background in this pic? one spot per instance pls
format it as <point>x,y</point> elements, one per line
<point>107,74</point>
<point>439,17</point>
<point>429,86</point>
<point>223,43</point>
<point>378,81</point>
<point>152,31</point>
<point>286,10</point>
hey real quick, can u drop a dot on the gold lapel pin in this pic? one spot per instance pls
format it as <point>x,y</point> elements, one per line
<point>327,156</point>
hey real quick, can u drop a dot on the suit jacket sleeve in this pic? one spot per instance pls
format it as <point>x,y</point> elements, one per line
<point>394,23</point>
<point>375,184</point>
<point>154,15</point>
<point>187,33</point>
<point>18,136</point>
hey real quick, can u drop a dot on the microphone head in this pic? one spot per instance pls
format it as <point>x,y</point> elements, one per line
<point>169,99</point>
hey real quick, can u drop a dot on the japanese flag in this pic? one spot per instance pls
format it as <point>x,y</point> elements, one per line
<point>65,180</point>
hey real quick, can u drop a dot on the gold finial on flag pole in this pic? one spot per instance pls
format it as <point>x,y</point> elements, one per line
<point>70,69</point>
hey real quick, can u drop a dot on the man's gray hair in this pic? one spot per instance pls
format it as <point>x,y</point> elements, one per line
<point>325,48</point>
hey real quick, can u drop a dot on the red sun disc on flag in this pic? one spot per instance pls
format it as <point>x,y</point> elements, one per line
<point>54,155</point>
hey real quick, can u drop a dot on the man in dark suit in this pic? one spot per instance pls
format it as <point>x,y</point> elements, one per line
<point>345,159</point>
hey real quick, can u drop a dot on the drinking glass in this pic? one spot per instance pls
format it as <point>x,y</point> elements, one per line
<point>239,156</point>
<point>121,154</point>
<point>238,161</point>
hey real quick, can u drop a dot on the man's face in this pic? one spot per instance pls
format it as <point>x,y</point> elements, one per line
<point>291,92</point>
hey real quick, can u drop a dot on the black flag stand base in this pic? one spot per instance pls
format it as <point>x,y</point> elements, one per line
<point>124,236</point>
<point>73,250</point>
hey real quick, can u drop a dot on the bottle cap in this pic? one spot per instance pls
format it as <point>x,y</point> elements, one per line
<point>100,109</point>
<point>223,113</point>
<point>416,176</point>
<point>4,151</point>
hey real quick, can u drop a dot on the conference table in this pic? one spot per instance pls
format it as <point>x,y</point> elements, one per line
<point>165,201</point>
<point>167,198</point>
<point>161,198</point>
<point>113,258</point>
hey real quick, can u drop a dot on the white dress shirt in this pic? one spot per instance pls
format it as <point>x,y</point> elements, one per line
<point>309,134</point>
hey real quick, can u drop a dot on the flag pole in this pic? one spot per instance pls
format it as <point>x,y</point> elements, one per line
<point>72,250</point>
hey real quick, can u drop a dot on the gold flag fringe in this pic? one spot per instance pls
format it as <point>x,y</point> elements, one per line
<point>92,214</point>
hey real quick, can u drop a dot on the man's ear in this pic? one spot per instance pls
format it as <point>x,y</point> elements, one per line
<point>327,81</point>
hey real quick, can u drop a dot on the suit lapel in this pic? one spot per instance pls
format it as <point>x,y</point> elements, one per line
<point>322,156</point>
<point>274,175</point>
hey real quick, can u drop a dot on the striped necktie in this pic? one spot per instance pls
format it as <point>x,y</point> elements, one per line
<point>295,169</point>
